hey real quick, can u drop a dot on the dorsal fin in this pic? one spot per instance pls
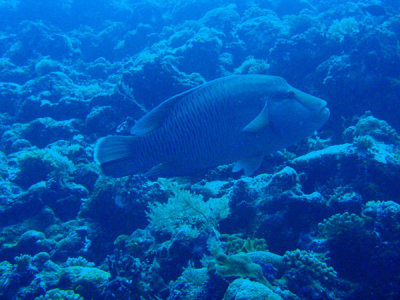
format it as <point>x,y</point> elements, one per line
<point>260,122</point>
<point>154,118</point>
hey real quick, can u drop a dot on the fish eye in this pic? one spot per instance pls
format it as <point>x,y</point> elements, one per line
<point>290,95</point>
<point>286,95</point>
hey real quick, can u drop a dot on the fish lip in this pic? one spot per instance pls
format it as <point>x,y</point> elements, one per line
<point>324,113</point>
<point>323,107</point>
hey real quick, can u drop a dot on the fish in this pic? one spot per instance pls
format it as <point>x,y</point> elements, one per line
<point>234,119</point>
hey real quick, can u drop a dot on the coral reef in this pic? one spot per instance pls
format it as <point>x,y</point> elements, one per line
<point>319,220</point>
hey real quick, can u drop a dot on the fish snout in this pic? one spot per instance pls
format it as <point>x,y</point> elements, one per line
<point>321,110</point>
<point>313,103</point>
<point>325,113</point>
<point>317,106</point>
<point>322,104</point>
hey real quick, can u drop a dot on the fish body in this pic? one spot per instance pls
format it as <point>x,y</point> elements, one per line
<point>238,119</point>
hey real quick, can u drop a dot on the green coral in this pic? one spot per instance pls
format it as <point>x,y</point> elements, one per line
<point>235,265</point>
<point>235,244</point>
<point>238,265</point>
<point>187,213</point>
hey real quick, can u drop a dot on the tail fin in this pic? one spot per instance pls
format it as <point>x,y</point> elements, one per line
<point>115,154</point>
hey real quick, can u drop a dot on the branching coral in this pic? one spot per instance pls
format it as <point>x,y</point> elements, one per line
<point>187,213</point>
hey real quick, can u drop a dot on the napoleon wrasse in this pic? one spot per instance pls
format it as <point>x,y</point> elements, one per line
<point>238,119</point>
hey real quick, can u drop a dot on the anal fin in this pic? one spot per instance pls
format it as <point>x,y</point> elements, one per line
<point>248,165</point>
<point>161,170</point>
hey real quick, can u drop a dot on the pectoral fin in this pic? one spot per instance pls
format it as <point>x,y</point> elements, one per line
<point>260,122</point>
<point>248,165</point>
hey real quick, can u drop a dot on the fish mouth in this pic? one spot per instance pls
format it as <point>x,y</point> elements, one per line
<point>324,109</point>
<point>319,109</point>
<point>323,113</point>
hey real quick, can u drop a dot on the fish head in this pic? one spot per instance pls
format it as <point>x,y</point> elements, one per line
<point>294,114</point>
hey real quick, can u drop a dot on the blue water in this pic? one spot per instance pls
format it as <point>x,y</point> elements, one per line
<point>318,220</point>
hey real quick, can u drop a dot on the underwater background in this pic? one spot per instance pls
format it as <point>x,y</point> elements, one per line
<point>318,220</point>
